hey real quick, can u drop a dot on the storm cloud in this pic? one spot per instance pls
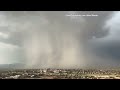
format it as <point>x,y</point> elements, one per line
<point>51,39</point>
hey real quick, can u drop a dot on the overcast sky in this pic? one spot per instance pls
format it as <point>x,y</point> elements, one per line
<point>53,40</point>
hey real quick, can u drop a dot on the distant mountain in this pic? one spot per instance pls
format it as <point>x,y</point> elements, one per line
<point>12,66</point>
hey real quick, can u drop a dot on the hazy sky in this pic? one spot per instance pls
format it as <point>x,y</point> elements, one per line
<point>53,40</point>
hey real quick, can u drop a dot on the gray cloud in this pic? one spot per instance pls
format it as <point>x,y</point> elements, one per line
<point>107,48</point>
<point>50,39</point>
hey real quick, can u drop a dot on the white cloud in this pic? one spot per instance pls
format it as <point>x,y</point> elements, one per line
<point>8,53</point>
<point>8,46</point>
<point>4,35</point>
<point>113,24</point>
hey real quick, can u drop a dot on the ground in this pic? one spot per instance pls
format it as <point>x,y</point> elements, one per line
<point>59,74</point>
